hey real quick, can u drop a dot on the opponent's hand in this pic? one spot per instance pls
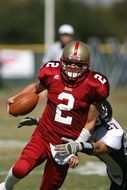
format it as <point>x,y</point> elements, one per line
<point>72,147</point>
<point>73,161</point>
<point>28,121</point>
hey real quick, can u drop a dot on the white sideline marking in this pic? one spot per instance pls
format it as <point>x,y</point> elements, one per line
<point>11,143</point>
<point>91,168</point>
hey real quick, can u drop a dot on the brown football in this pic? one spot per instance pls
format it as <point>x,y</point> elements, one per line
<point>23,104</point>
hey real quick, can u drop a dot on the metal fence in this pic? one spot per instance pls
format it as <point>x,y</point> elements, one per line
<point>110,58</point>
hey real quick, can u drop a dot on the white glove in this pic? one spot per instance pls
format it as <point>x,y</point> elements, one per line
<point>72,147</point>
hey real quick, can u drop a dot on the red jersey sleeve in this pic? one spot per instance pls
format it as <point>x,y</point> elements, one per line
<point>101,87</point>
<point>47,72</point>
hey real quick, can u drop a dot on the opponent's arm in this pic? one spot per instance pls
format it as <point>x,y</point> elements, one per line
<point>96,148</point>
<point>93,149</point>
<point>72,147</point>
<point>100,148</point>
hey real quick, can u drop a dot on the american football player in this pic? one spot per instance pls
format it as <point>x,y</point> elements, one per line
<point>72,88</point>
<point>109,143</point>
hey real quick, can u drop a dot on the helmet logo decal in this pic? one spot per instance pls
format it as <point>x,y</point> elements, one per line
<point>75,56</point>
<point>76,47</point>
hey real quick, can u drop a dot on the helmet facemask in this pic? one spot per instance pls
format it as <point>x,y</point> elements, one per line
<point>74,69</point>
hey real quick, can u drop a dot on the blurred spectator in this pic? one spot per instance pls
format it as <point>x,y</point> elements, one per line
<point>66,33</point>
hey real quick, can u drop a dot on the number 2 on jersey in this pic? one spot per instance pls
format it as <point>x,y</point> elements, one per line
<point>100,78</point>
<point>67,107</point>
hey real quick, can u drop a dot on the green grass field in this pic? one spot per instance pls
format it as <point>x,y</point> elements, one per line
<point>74,181</point>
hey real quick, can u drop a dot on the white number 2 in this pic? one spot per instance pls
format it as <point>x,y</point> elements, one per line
<point>99,77</point>
<point>52,64</point>
<point>58,117</point>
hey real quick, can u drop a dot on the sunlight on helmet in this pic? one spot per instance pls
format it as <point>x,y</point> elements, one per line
<point>75,60</point>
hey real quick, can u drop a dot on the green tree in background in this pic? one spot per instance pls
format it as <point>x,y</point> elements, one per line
<point>21,21</point>
<point>93,20</point>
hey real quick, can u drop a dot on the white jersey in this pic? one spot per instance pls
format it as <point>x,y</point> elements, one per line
<point>111,134</point>
<point>54,53</point>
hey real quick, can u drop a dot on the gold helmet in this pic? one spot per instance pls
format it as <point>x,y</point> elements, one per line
<point>75,60</point>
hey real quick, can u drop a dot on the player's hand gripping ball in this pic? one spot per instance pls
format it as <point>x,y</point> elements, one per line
<point>22,104</point>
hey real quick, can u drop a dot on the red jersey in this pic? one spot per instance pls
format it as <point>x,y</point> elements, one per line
<point>67,108</point>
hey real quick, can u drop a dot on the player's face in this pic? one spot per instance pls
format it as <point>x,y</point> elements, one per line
<point>65,38</point>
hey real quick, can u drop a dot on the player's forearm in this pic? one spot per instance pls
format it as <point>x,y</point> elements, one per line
<point>31,88</point>
<point>100,148</point>
<point>89,126</point>
<point>91,119</point>
<point>95,148</point>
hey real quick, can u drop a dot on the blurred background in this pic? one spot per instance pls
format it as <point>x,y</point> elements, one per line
<point>27,29</point>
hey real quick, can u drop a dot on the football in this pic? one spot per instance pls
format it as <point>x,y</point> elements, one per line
<point>23,104</point>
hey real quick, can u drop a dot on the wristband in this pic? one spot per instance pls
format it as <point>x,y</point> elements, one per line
<point>84,135</point>
<point>88,148</point>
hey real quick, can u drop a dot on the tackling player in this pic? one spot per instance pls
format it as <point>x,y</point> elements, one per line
<point>72,88</point>
<point>109,143</point>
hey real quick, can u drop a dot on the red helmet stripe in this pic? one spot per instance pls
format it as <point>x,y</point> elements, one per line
<point>76,47</point>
